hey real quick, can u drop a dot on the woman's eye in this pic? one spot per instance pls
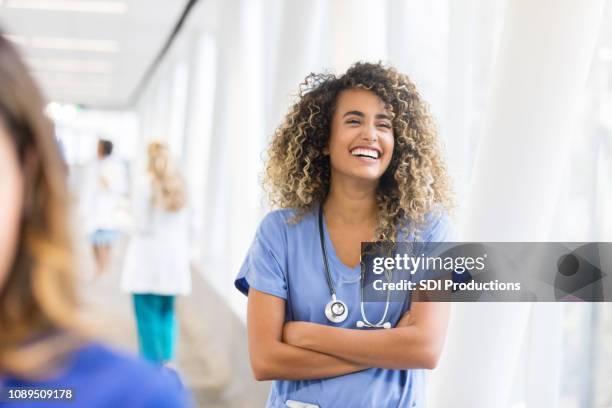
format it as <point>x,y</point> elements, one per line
<point>385,125</point>
<point>352,122</point>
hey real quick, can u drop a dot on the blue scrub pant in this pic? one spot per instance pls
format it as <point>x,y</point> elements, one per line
<point>156,325</point>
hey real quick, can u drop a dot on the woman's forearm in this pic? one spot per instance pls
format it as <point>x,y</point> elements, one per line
<point>283,361</point>
<point>415,342</point>
<point>398,348</point>
<point>274,359</point>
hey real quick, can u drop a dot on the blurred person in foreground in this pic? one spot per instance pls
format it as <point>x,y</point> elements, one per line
<point>42,344</point>
<point>157,266</point>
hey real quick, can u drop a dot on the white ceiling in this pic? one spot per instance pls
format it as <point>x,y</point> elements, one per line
<point>90,52</point>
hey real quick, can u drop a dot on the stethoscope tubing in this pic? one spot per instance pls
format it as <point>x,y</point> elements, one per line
<point>332,289</point>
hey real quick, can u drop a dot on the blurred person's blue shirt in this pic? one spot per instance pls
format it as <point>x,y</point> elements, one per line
<point>100,377</point>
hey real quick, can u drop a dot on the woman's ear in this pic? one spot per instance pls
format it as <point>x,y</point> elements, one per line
<point>326,151</point>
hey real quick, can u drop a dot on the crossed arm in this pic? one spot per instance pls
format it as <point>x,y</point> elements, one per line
<point>304,350</point>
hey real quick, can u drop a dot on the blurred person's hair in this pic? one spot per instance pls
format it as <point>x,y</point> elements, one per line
<point>37,301</point>
<point>298,172</point>
<point>168,183</point>
<point>106,146</point>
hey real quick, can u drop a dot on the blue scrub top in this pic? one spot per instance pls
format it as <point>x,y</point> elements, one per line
<point>100,378</point>
<point>285,260</point>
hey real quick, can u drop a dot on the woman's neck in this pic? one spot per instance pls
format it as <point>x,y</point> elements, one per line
<point>351,203</point>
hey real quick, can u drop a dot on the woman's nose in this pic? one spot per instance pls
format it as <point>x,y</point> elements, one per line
<point>369,134</point>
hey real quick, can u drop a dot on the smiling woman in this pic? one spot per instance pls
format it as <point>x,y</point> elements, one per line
<point>356,159</point>
<point>298,169</point>
<point>364,133</point>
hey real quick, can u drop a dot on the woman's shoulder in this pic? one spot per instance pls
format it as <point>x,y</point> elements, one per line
<point>281,226</point>
<point>96,370</point>
<point>283,219</point>
<point>437,226</point>
<point>94,356</point>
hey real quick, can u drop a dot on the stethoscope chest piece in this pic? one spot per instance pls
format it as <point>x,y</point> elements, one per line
<point>336,310</point>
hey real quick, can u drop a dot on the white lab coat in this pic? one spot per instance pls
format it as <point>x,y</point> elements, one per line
<point>157,259</point>
<point>104,195</point>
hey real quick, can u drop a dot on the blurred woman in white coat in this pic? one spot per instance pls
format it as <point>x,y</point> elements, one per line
<point>157,264</point>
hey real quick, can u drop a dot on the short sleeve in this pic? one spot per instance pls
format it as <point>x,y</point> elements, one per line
<point>264,267</point>
<point>441,229</point>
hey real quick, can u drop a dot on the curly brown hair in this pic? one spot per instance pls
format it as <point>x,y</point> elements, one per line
<point>416,182</point>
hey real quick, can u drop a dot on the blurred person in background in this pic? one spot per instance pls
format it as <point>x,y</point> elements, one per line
<point>103,202</point>
<point>42,343</point>
<point>357,159</point>
<point>157,266</point>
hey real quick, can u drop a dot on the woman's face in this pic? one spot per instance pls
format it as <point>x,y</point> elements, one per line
<point>361,139</point>
<point>11,201</point>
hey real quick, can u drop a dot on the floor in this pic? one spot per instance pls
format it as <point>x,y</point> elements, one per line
<point>212,349</point>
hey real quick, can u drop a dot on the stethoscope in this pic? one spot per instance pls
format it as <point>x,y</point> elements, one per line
<point>336,310</point>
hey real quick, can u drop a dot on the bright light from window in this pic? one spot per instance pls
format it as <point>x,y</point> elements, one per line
<point>605,54</point>
<point>92,6</point>
<point>61,112</point>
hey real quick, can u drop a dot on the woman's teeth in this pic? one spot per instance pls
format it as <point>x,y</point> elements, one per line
<point>371,153</point>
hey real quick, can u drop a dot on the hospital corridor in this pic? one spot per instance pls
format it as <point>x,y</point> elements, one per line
<point>193,194</point>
